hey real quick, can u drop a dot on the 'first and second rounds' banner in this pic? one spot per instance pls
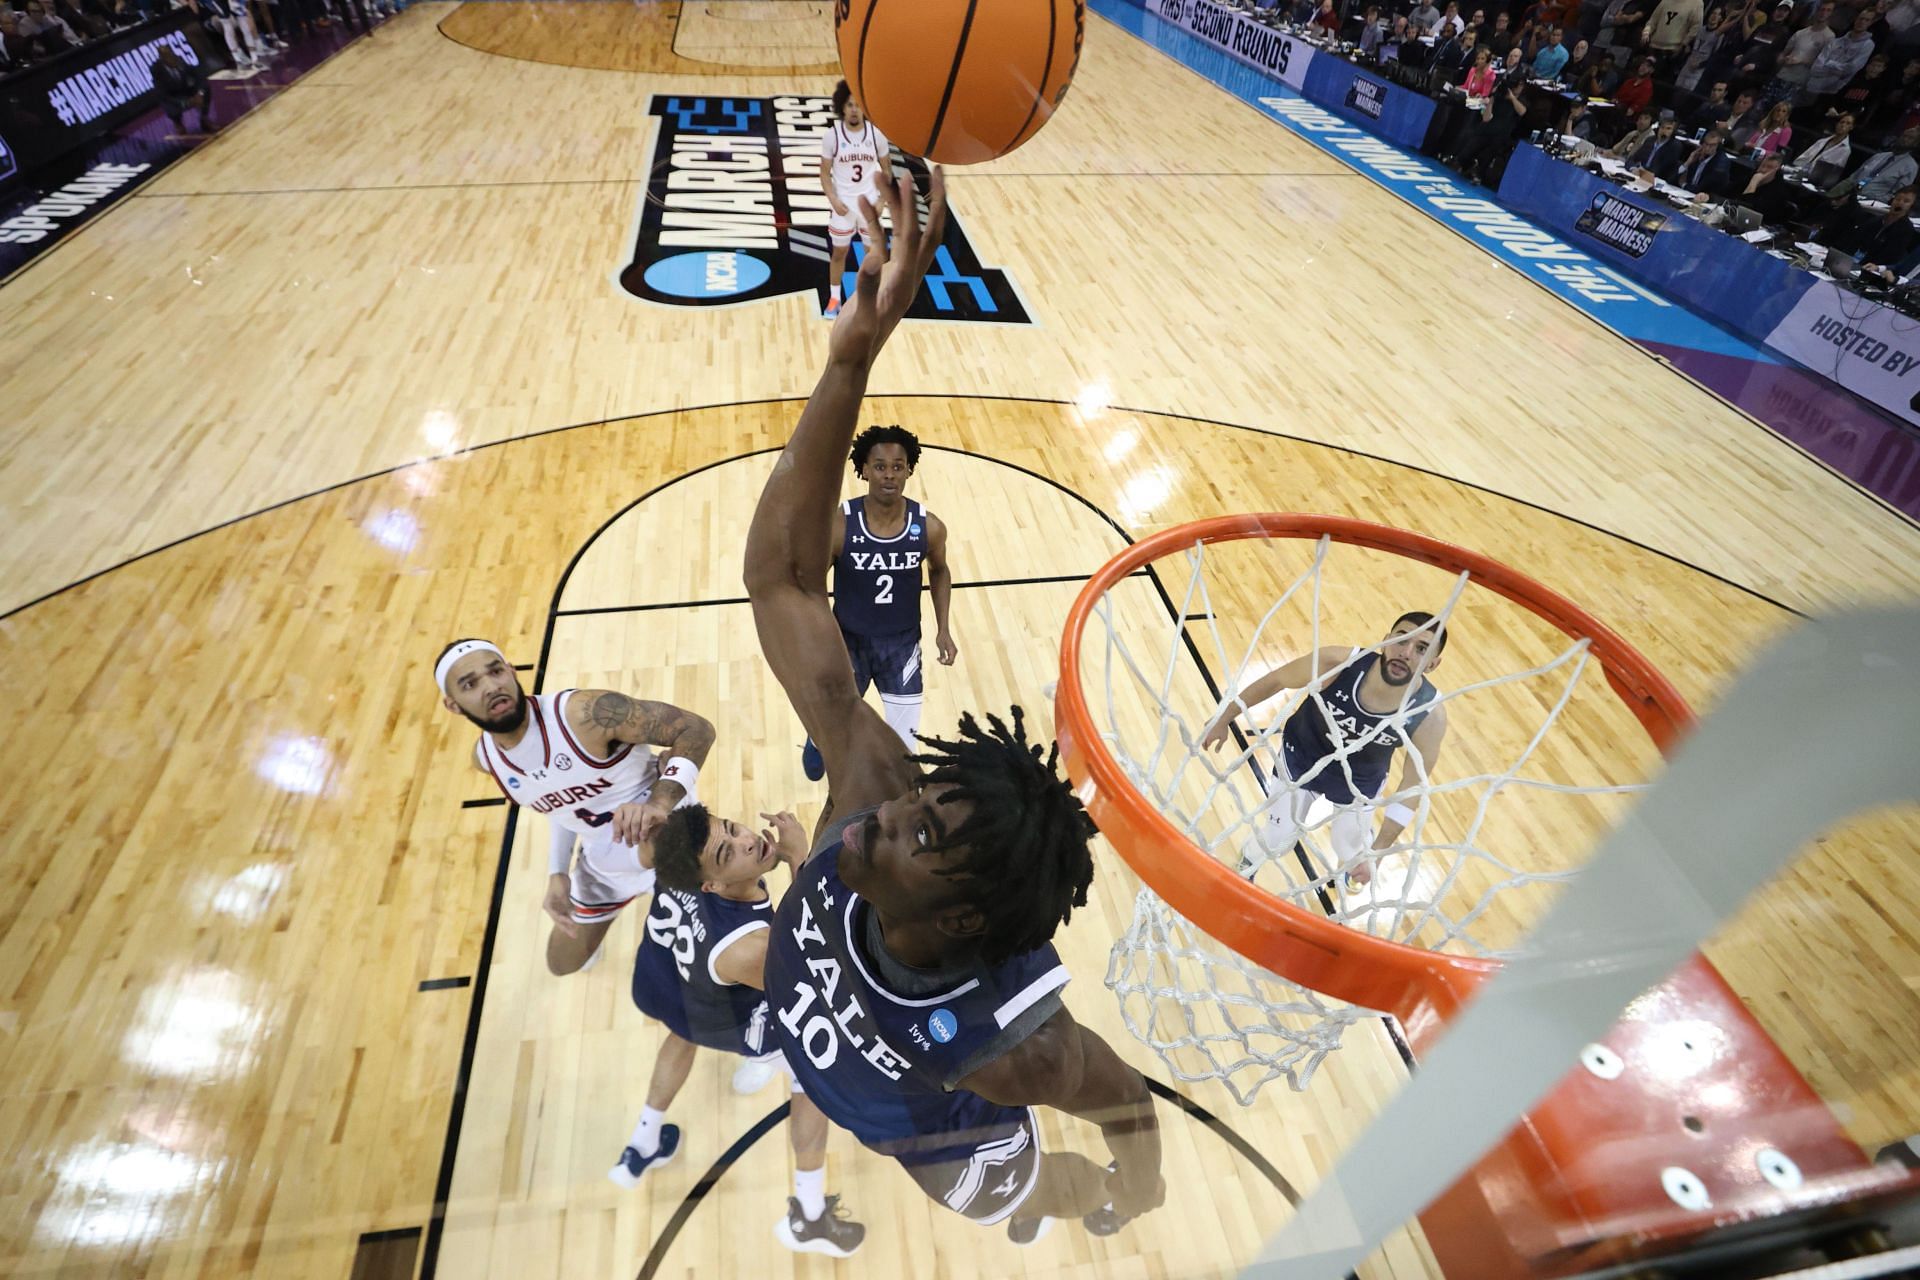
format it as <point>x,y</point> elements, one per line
<point>1278,54</point>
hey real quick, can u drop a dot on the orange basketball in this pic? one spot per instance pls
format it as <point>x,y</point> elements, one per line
<point>960,81</point>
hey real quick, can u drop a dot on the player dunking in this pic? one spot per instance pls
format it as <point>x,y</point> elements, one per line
<point>879,544</point>
<point>911,971</point>
<point>1364,701</point>
<point>583,757</point>
<point>699,972</point>
<point>856,160</point>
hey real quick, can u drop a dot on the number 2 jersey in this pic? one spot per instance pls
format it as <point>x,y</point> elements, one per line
<point>880,1047</point>
<point>876,581</point>
<point>674,979</point>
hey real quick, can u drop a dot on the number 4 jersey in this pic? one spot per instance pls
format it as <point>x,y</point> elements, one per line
<point>548,773</point>
<point>674,979</point>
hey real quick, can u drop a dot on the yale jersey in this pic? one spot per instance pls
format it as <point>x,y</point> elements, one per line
<point>549,773</point>
<point>1309,738</point>
<point>876,581</point>
<point>674,980</point>
<point>857,156</point>
<point>880,1063</point>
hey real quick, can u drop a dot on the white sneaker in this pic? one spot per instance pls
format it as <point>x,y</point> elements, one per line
<point>752,1077</point>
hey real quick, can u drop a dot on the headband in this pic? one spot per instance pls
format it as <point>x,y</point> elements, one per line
<point>454,655</point>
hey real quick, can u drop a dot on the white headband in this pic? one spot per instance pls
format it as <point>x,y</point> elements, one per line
<point>454,655</point>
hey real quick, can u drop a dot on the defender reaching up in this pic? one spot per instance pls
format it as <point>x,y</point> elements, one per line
<point>911,973</point>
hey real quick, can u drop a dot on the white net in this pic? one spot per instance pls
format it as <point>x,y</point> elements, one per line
<point>1457,847</point>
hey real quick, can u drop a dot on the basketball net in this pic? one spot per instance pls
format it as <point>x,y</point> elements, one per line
<point>1212,1014</point>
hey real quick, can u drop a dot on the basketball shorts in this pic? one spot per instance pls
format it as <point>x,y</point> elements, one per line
<point>606,875</point>
<point>842,230</point>
<point>890,662</point>
<point>988,1183</point>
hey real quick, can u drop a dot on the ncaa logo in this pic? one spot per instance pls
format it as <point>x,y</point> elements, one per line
<point>513,782</point>
<point>942,1025</point>
<point>712,273</point>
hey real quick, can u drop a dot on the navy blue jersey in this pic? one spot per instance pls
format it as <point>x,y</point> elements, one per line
<point>882,1063</point>
<point>673,977</point>
<point>876,581</point>
<point>1308,738</point>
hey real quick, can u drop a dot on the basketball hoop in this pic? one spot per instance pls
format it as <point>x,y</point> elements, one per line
<point>1226,977</point>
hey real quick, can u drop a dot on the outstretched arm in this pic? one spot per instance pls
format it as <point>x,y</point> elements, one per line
<point>1065,1066</point>
<point>788,543</point>
<point>602,719</point>
<point>1298,674</point>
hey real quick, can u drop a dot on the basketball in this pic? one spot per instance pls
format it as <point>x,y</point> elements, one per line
<point>960,81</point>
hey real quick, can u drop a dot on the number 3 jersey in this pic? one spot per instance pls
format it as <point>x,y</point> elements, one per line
<point>881,1047</point>
<point>674,979</point>
<point>876,581</point>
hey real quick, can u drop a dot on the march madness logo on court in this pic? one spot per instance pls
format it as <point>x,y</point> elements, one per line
<point>1620,224</point>
<point>734,213</point>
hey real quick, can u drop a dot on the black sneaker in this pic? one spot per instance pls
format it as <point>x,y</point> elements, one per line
<point>632,1164</point>
<point>1025,1231</point>
<point>831,1233</point>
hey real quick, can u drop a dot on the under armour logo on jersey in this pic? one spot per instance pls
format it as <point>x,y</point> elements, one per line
<point>826,900</point>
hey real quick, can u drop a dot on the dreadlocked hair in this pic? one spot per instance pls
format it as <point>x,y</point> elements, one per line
<point>894,434</point>
<point>676,848</point>
<point>1028,862</point>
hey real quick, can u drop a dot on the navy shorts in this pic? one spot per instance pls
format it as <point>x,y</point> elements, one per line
<point>991,1178</point>
<point>891,662</point>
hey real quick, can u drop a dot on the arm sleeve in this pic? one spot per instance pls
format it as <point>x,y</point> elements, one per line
<point>559,849</point>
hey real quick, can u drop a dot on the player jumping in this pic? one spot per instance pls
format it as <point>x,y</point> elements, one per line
<point>911,970</point>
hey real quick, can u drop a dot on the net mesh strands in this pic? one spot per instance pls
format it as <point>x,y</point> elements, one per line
<point>1532,771</point>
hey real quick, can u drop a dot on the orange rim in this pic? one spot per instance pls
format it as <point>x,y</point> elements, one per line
<point>1415,985</point>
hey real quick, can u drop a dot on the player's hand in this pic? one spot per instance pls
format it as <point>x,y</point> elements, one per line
<point>788,837</point>
<point>1361,872</point>
<point>635,824</point>
<point>889,276</point>
<point>948,650</point>
<point>559,903</point>
<point>1216,733</point>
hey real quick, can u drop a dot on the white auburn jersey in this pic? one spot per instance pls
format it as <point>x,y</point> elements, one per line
<point>548,772</point>
<point>858,156</point>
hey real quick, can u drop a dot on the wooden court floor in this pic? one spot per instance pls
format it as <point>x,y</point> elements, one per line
<point>352,380</point>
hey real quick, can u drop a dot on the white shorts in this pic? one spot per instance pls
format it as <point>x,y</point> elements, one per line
<point>842,230</point>
<point>606,876</point>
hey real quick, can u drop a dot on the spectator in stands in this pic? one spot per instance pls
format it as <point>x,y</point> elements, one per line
<point>1776,131</point>
<point>1451,23</point>
<point>1500,38</point>
<point>1712,36</point>
<point>1456,52</point>
<point>1636,91</point>
<point>1841,59</point>
<point>1714,111</point>
<point>1796,58</point>
<point>1579,62</point>
<point>1886,173</point>
<point>1621,21</point>
<point>1325,20</point>
<point>1877,239</point>
<point>1552,57</point>
<point>89,22</point>
<point>235,20</point>
<point>1601,79</point>
<point>1479,84</point>
<point>1661,154</point>
<point>1671,28</point>
<point>1744,120</point>
<point>40,24</point>
<point>182,85</point>
<point>1903,21</point>
<point>1828,157</point>
<point>1630,141</point>
<point>1872,85</point>
<point>1491,138</point>
<point>1578,122</point>
<point>1423,18</point>
<point>1373,29</point>
<point>1706,170</point>
<point>1401,33</point>
<point>1755,60</point>
<point>1768,194</point>
<point>16,50</point>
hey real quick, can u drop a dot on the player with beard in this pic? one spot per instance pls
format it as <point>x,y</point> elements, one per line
<point>1361,707</point>
<point>911,969</point>
<point>585,758</point>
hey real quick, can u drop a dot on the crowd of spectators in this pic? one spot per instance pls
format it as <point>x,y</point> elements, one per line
<point>253,31</point>
<point>1806,112</point>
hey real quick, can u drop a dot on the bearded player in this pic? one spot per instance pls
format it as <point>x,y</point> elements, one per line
<point>1339,742</point>
<point>699,973</point>
<point>586,759</point>
<point>911,970</point>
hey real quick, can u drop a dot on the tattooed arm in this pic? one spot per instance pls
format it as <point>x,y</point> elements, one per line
<point>602,719</point>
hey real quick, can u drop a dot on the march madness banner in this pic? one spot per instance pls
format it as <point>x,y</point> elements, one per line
<point>733,213</point>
